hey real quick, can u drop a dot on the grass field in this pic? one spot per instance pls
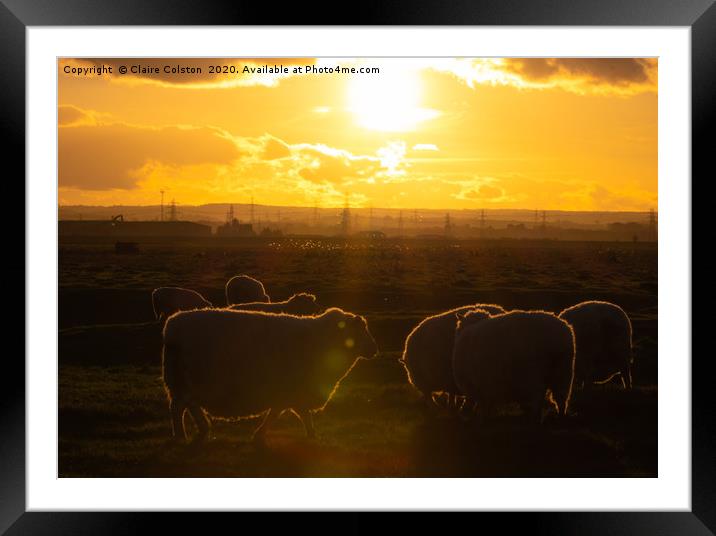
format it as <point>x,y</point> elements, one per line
<point>113,415</point>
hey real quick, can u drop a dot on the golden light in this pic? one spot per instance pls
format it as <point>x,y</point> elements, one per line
<point>392,156</point>
<point>389,101</point>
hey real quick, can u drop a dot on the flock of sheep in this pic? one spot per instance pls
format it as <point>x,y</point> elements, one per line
<point>256,357</point>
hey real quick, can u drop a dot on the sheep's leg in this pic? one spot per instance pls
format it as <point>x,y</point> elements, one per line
<point>433,398</point>
<point>429,405</point>
<point>453,405</point>
<point>177,411</point>
<point>259,436</point>
<point>462,405</point>
<point>587,385</point>
<point>307,418</point>
<point>467,408</point>
<point>625,375</point>
<point>202,422</point>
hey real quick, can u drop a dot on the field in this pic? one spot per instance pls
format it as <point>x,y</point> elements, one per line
<point>113,415</point>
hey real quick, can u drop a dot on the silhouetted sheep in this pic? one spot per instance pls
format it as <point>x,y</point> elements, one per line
<point>245,363</point>
<point>302,304</point>
<point>514,357</point>
<point>245,289</point>
<point>428,353</point>
<point>169,300</point>
<point>603,334</point>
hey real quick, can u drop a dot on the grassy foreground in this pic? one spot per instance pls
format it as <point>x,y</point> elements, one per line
<point>113,414</point>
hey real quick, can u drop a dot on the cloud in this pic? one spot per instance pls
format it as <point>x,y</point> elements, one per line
<point>425,147</point>
<point>273,148</point>
<point>392,157</point>
<point>619,76</point>
<point>313,173</point>
<point>68,116</point>
<point>516,190</point>
<point>322,164</point>
<point>619,72</point>
<point>600,196</point>
<point>107,156</point>
<point>484,192</point>
<point>481,189</point>
<point>207,164</point>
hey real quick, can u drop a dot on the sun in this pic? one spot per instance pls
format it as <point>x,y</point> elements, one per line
<point>389,101</point>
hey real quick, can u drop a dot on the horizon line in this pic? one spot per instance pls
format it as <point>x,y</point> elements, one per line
<point>339,207</point>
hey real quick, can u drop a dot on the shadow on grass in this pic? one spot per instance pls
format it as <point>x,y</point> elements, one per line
<point>115,423</point>
<point>446,448</point>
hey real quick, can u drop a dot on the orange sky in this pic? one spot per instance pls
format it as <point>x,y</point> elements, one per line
<point>569,134</point>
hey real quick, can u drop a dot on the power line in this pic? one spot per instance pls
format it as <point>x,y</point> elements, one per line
<point>173,211</point>
<point>345,218</point>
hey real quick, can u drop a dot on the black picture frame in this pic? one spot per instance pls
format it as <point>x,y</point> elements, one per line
<point>699,15</point>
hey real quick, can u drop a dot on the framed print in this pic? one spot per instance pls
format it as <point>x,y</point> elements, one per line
<point>337,268</point>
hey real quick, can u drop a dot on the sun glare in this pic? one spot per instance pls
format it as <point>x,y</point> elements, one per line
<point>389,101</point>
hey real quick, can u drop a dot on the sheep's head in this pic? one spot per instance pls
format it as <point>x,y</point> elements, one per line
<point>353,334</point>
<point>365,344</point>
<point>304,304</point>
<point>470,318</point>
<point>245,289</point>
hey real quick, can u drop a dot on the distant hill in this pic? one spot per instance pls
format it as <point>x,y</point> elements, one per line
<point>216,213</point>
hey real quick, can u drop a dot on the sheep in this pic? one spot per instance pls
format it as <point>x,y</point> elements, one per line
<point>427,356</point>
<point>519,356</point>
<point>237,364</point>
<point>245,289</point>
<point>168,300</point>
<point>603,334</point>
<point>302,304</point>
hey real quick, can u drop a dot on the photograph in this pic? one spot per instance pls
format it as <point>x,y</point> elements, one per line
<point>357,267</point>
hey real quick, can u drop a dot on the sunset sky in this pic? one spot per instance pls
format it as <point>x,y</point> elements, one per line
<point>567,134</point>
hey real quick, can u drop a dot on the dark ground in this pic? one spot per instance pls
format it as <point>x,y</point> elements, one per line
<point>113,415</point>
